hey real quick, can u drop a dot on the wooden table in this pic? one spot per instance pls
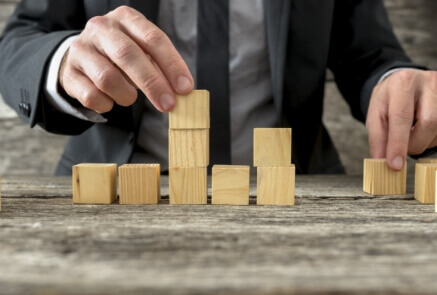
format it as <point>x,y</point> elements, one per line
<point>336,239</point>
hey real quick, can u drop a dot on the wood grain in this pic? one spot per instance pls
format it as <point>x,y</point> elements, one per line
<point>271,147</point>
<point>188,185</point>
<point>188,148</point>
<point>379,179</point>
<point>427,160</point>
<point>275,185</point>
<point>230,185</point>
<point>94,183</point>
<point>424,187</point>
<point>139,183</point>
<point>191,111</point>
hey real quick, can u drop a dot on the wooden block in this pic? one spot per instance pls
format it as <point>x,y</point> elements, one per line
<point>424,182</point>
<point>188,148</point>
<point>427,160</point>
<point>230,185</point>
<point>94,183</point>
<point>188,185</point>
<point>275,185</point>
<point>271,147</point>
<point>435,195</point>
<point>191,111</point>
<point>140,183</point>
<point>378,179</point>
<point>0,194</point>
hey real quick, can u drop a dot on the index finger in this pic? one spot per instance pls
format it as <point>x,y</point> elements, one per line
<point>159,46</point>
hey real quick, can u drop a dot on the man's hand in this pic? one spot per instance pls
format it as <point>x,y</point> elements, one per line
<point>405,98</point>
<point>116,54</point>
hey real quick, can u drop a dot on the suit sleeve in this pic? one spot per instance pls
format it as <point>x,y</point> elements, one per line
<point>31,36</point>
<point>363,48</point>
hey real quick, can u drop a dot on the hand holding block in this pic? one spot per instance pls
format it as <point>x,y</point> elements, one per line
<point>94,183</point>
<point>230,185</point>
<point>379,179</point>
<point>424,183</point>
<point>191,111</point>
<point>188,185</point>
<point>139,183</point>
<point>275,185</point>
<point>188,148</point>
<point>271,147</point>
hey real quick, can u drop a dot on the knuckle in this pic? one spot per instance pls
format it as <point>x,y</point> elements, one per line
<point>404,113</point>
<point>123,10</point>
<point>96,23</point>
<point>405,76</point>
<point>76,46</point>
<point>124,49</point>
<point>105,78</point>
<point>429,121</point>
<point>151,81</point>
<point>154,37</point>
<point>89,98</point>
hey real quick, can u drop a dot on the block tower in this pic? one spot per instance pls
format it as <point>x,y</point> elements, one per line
<point>188,150</point>
<point>275,173</point>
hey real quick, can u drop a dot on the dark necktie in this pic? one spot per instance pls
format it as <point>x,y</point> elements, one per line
<point>213,73</point>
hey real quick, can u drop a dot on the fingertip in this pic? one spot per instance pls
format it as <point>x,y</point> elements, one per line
<point>397,163</point>
<point>184,85</point>
<point>167,102</point>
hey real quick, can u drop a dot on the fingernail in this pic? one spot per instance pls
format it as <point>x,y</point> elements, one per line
<point>397,163</point>
<point>167,101</point>
<point>184,84</point>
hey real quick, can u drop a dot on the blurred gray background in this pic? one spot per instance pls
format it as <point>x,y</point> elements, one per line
<point>33,151</point>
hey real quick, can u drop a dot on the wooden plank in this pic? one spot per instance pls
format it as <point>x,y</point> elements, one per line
<point>379,179</point>
<point>271,147</point>
<point>230,185</point>
<point>424,188</point>
<point>191,111</point>
<point>188,148</point>
<point>94,183</point>
<point>139,183</point>
<point>275,185</point>
<point>188,185</point>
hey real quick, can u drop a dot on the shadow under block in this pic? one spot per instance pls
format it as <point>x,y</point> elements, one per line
<point>94,183</point>
<point>427,160</point>
<point>188,148</point>
<point>191,111</point>
<point>139,183</point>
<point>275,185</point>
<point>379,179</point>
<point>230,185</point>
<point>188,185</point>
<point>424,183</point>
<point>271,147</point>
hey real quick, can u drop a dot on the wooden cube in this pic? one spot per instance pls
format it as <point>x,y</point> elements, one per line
<point>271,147</point>
<point>139,183</point>
<point>191,111</point>
<point>275,185</point>
<point>188,148</point>
<point>188,185</point>
<point>435,195</point>
<point>0,194</point>
<point>427,160</point>
<point>94,183</point>
<point>424,183</point>
<point>379,179</point>
<point>230,185</point>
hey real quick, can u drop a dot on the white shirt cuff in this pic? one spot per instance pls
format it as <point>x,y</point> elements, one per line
<point>390,72</point>
<point>52,93</point>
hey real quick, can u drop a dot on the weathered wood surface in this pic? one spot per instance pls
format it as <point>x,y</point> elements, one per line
<point>336,239</point>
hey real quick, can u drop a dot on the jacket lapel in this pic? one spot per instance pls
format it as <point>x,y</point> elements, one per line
<point>277,14</point>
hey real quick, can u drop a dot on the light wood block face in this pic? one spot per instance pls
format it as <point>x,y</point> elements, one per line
<point>188,185</point>
<point>94,183</point>
<point>424,183</point>
<point>230,185</point>
<point>275,185</point>
<point>427,160</point>
<point>379,179</point>
<point>271,147</point>
<point>0,194</point>
<point>188,148</point>
<point>139,183</point>
<point>191,111</point>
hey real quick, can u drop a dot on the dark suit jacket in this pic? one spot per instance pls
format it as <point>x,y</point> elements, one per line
<point>353,38</point>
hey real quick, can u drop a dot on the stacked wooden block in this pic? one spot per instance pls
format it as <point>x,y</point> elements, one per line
<point>275,173</point>
<point>379,179</point>
<point>188,148</point>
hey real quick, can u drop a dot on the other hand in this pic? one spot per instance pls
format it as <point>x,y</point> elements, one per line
<point>402,116</point>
